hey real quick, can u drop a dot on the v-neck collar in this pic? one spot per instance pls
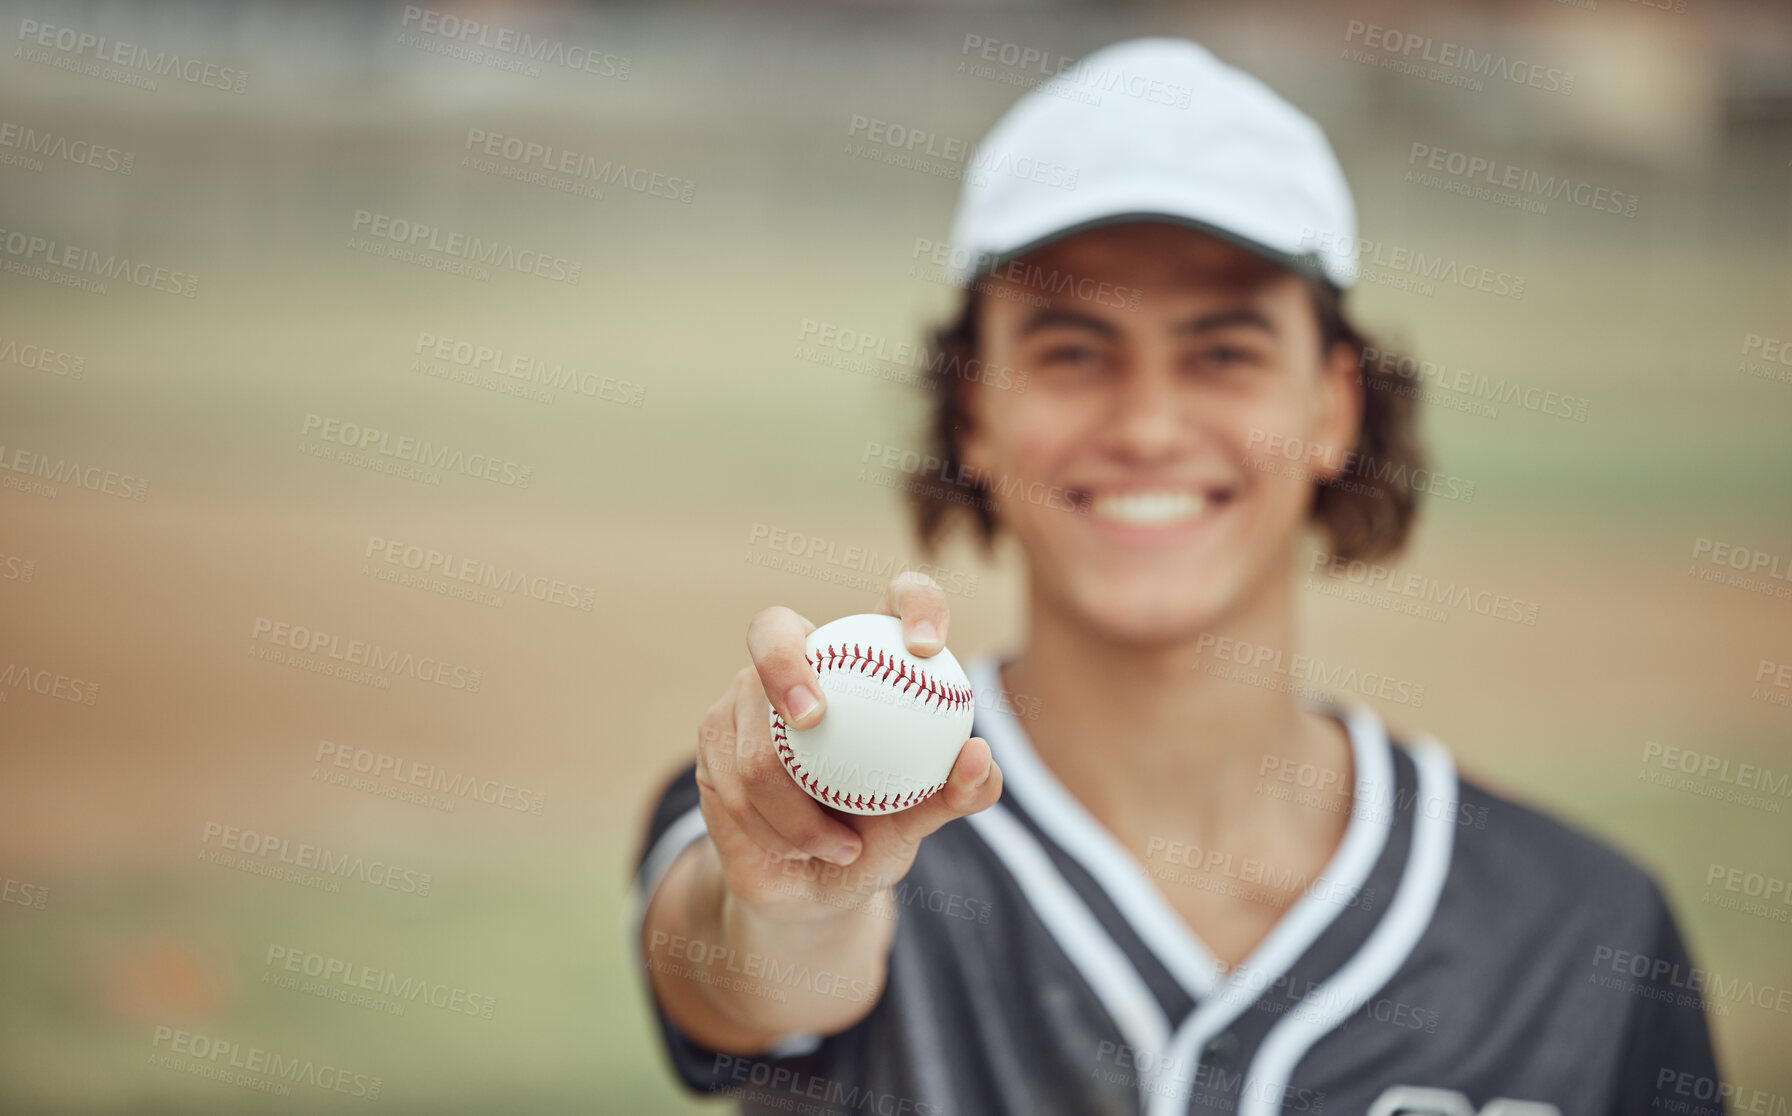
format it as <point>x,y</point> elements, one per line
<point>1130,888</point>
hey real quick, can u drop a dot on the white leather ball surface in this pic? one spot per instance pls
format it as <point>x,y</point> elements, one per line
<point>893,723</point>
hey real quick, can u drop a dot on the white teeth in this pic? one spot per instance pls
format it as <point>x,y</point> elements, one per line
<point>1150,509</point>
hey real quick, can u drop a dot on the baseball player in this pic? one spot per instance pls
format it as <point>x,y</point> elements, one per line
<point>1178,867</point>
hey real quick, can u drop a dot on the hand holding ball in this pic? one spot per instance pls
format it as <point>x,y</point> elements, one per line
<point>894,722</point>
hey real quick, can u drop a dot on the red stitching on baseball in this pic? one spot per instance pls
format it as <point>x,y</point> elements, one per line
<point>873,664</point>
<point>781,736</point>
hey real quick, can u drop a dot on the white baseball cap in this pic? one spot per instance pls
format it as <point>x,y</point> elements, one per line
<point>1156,129</point>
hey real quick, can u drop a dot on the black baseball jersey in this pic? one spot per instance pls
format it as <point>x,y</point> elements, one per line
<point>1459,954</point>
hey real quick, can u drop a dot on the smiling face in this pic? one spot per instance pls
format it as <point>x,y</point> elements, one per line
<point>1159,421</point>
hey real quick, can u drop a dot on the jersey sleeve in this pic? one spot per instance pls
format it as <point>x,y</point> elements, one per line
<point>675,824</point>
<point>1667,1040</point>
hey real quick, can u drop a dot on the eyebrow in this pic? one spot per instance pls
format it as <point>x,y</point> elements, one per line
<point>1047,317</point>
<point>1221,319</point>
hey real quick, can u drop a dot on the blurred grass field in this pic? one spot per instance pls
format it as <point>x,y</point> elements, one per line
<point>106,806</point>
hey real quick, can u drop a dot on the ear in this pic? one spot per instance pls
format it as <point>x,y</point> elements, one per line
<point>971,431</point>
<point>1339,403</point>
<point>973,448</point>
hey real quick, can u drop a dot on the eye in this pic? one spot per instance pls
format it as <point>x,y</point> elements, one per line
<point>1070,362</point>
<point>1223,357</point>
<point>1070,356</point>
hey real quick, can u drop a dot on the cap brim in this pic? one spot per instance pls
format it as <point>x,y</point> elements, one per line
<point>1307,264</point>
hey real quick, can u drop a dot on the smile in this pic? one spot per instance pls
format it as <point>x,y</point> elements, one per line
<point>1166,507</point>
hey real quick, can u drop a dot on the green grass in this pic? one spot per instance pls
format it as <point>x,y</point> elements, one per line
<point>540,933</point>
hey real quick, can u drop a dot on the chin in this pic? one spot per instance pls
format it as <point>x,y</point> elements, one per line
<point>1155,611</point>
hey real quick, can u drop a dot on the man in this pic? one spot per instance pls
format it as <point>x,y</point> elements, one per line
<point>1158,880</point>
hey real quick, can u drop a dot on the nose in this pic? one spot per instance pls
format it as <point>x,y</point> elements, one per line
<point>1147,425</point>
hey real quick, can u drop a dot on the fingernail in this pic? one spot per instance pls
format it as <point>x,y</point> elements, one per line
<point>845,854</point>
<point>800,701</point>
<point>924,632</point>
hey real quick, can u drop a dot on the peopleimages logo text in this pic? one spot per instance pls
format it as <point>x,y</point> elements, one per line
<point>1408,46</point>
<point>30,249</point>
<point>1414,262</point>
<point>419,236</point>
<point>362,653</point>
<point>130,56</point>
<point>417,451</point>
<point>473,33</point>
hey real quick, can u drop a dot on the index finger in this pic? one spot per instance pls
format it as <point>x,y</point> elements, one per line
<point>777,640</point>
<point>919,602</point>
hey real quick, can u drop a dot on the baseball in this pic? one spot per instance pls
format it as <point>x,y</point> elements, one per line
<point>894,722</point>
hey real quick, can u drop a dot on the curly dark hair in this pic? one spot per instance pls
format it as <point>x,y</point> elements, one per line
<point>1366,512</point>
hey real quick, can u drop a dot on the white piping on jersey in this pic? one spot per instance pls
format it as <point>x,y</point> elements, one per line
<point>1127,885</point>
<point>1389,945</point>
<point>1087,841</point>
<point>1365,838</point>
<point>1104,965</point>
<point>689,827</point>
